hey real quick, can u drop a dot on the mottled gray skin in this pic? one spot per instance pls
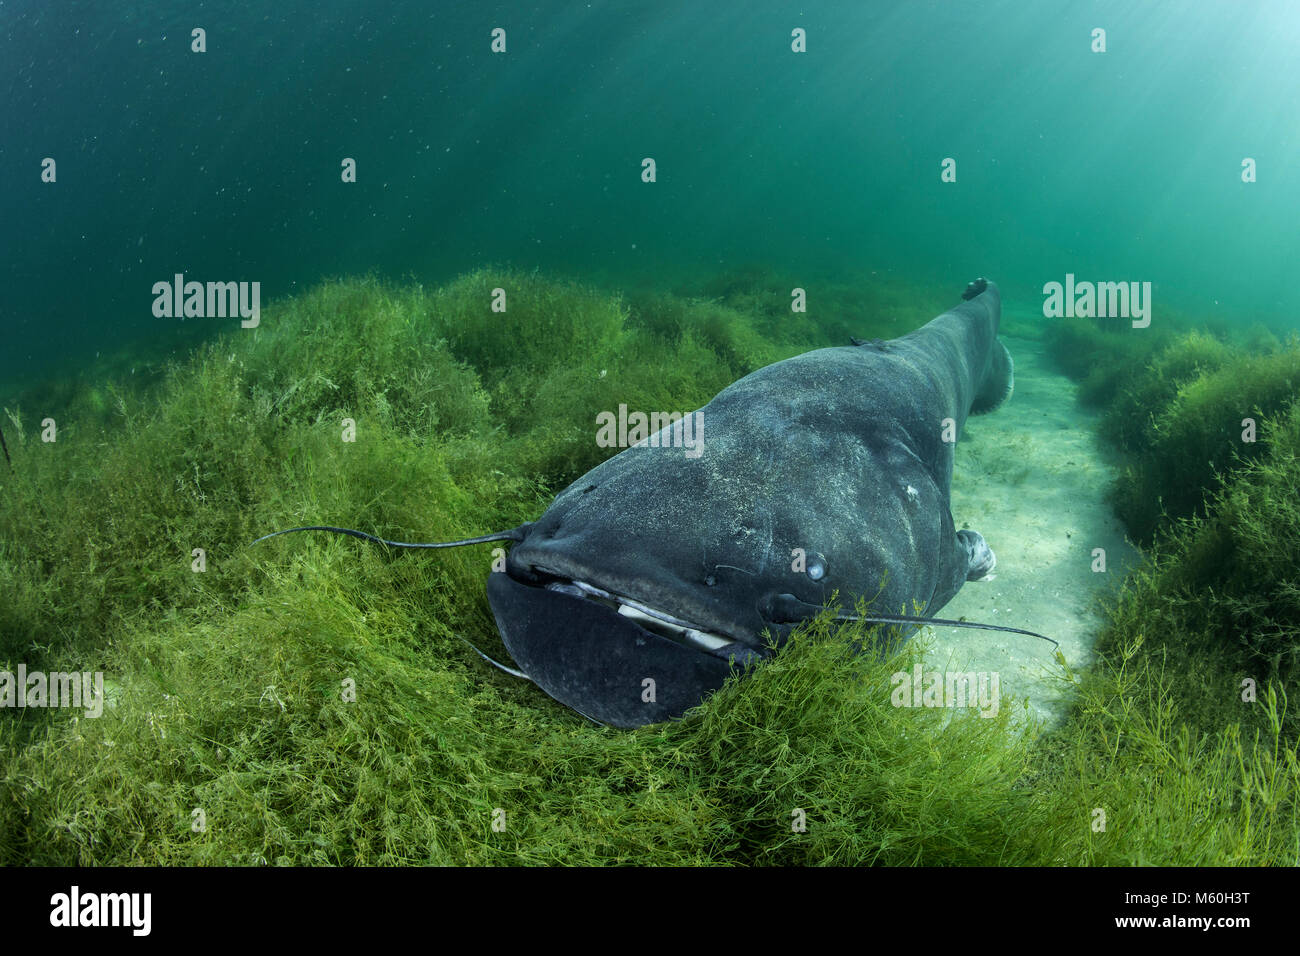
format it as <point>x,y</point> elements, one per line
<point>839,452</point>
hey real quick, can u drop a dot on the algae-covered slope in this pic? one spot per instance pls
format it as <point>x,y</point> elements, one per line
<point>311,700</point>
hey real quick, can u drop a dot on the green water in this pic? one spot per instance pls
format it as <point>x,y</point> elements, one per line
<point>224,165</point>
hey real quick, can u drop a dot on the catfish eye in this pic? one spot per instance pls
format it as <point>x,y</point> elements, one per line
<point>815,567</point>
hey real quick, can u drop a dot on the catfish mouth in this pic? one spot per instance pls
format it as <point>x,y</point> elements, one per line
<point>607,656</point>
<point>659,623</point>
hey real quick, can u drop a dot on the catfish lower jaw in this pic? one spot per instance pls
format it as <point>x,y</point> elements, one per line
<point>622,668</point>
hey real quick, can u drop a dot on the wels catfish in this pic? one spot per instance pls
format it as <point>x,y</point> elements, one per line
<point>663,568</point>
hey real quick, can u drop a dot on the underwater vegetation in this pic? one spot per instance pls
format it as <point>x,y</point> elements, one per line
<point>228,687</point>
<point>1178,403</point>
<point>1216,605</point>
<point>1211,433</point>
<point>1225,512</point>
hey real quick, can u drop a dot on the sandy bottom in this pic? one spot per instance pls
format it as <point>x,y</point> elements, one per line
<point>1031,477</point>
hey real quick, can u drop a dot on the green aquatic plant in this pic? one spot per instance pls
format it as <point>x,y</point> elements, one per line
<point>1161,763</point>
<point>1179,406</point>
<point>759,301</point>
<point>1130,413</point>
<point>1238,575</point>
<point>1103,361</point>
<point>532,324</point>
<point>1213,425</point>
<point>245,720</point>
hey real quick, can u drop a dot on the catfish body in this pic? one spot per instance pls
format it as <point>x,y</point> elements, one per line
<point>654,573</point>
